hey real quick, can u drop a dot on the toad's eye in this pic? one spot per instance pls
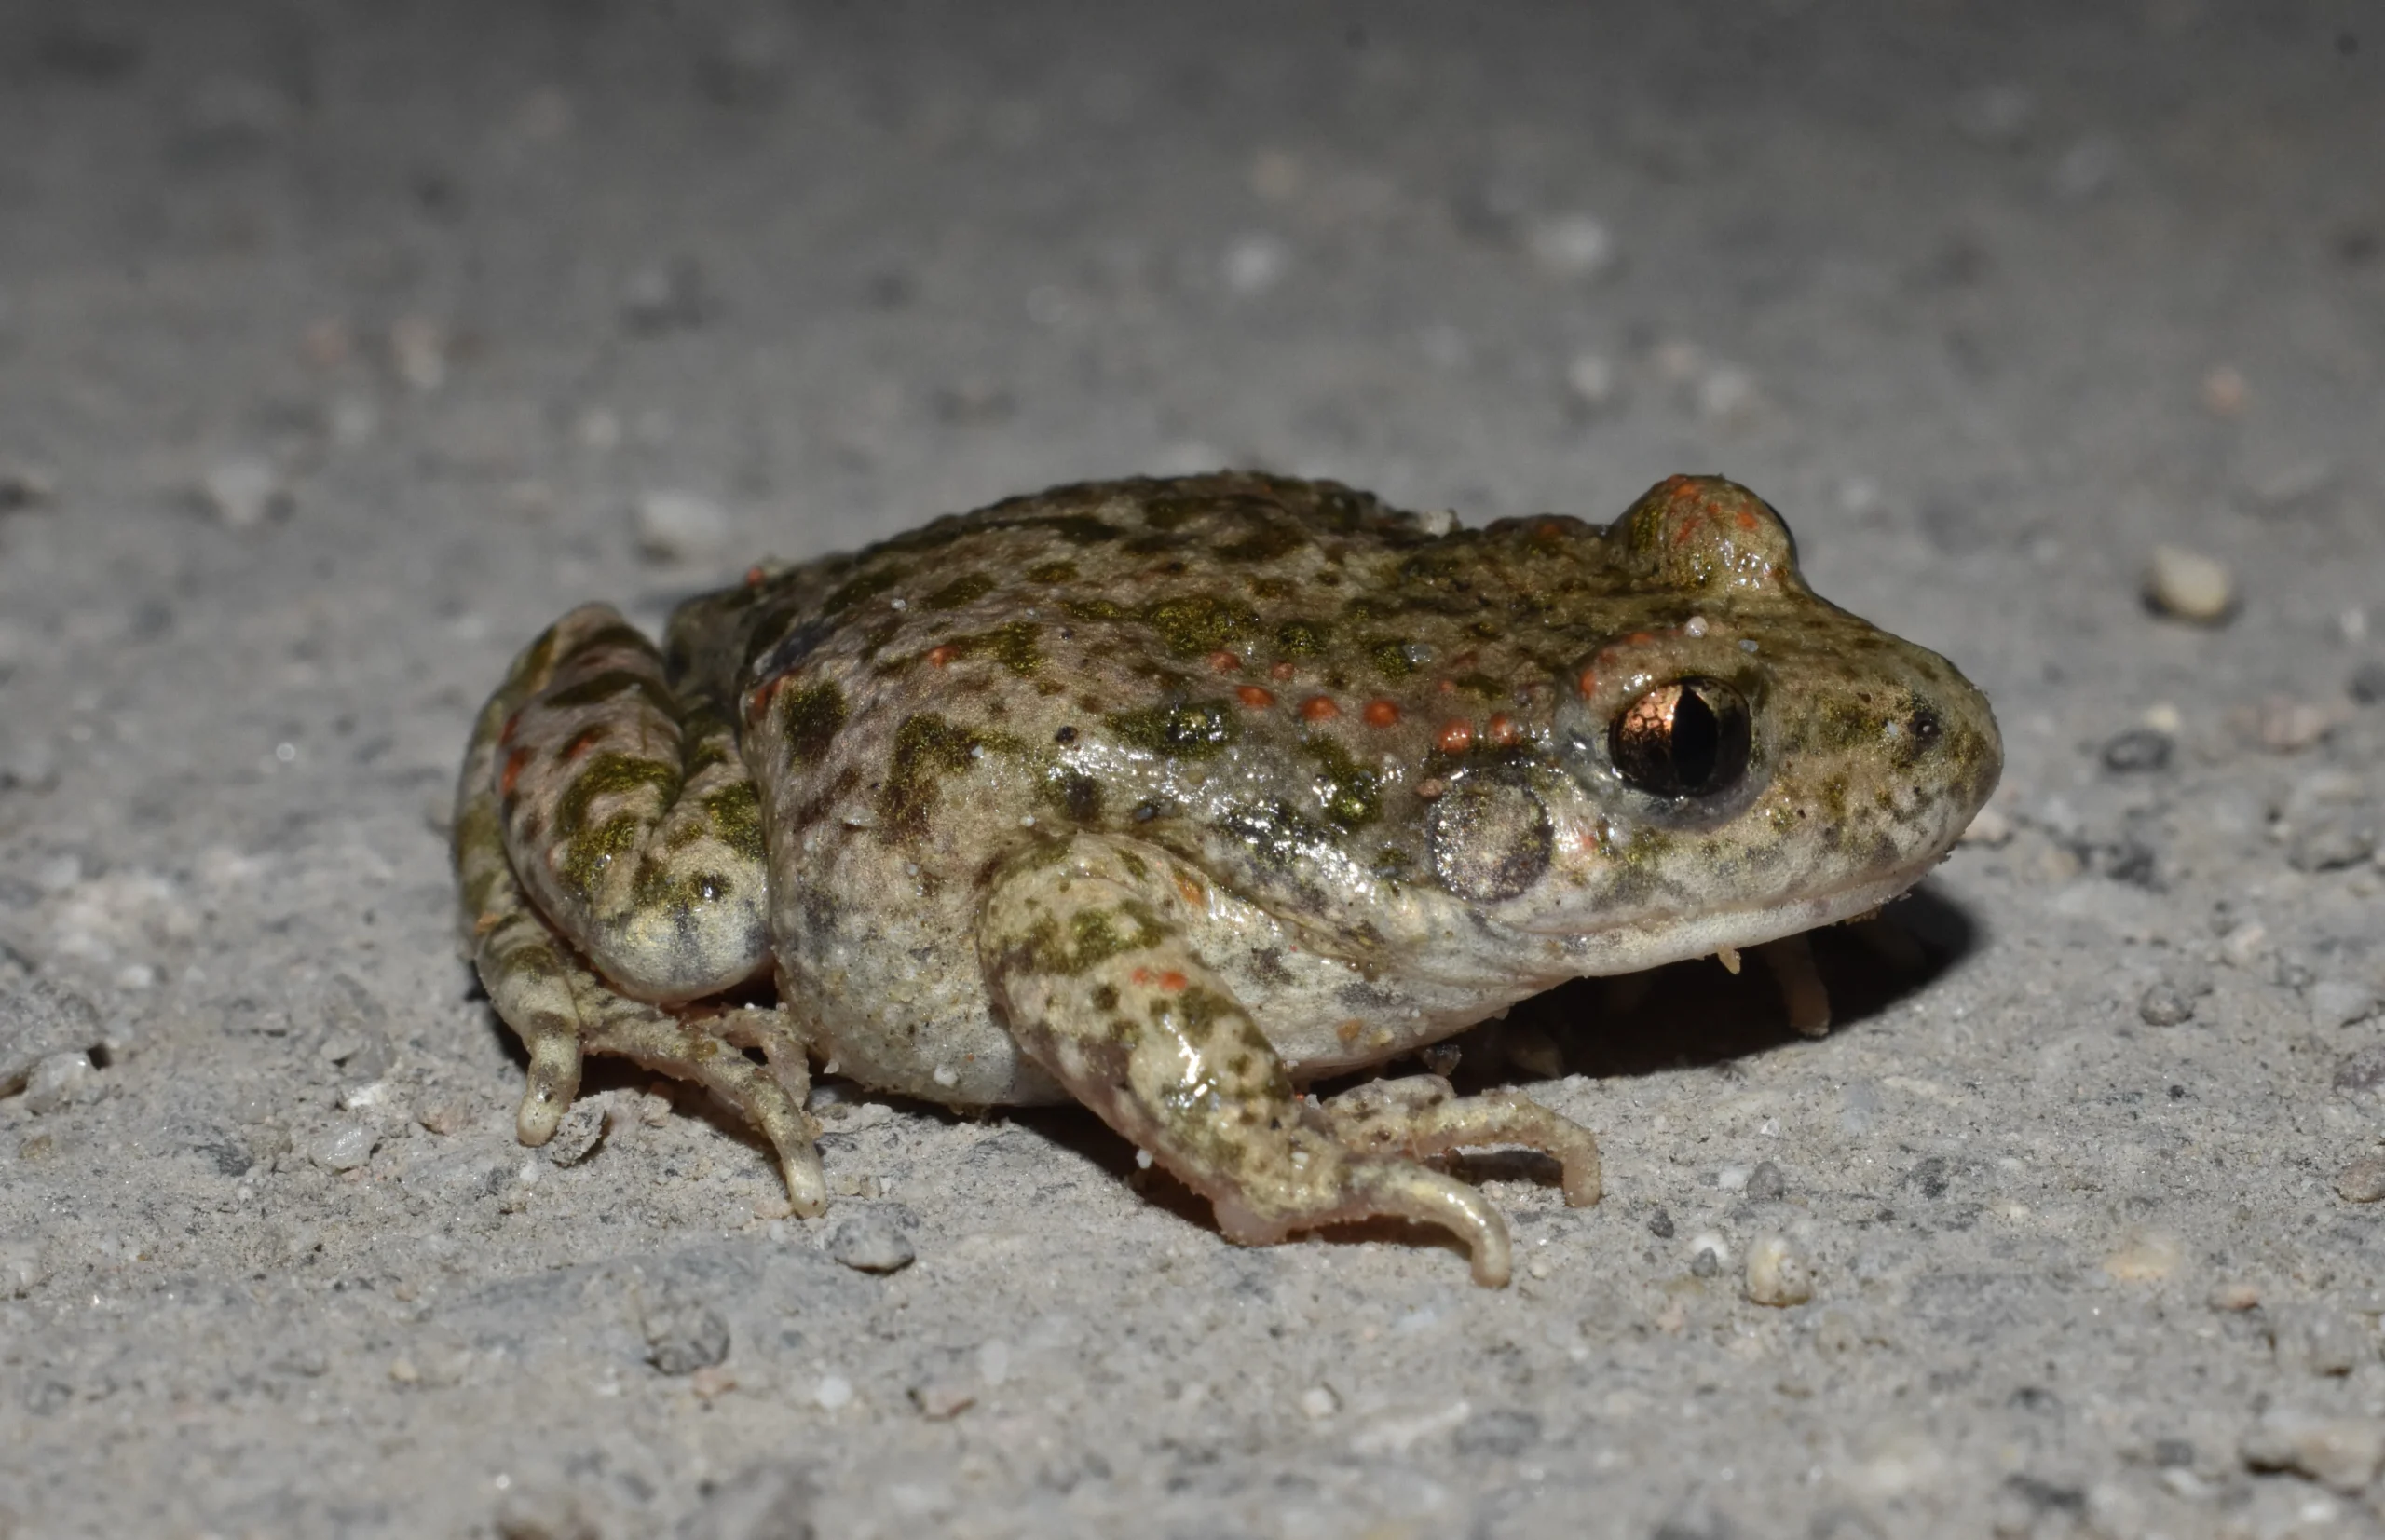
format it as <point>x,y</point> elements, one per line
<point>1685,738</point>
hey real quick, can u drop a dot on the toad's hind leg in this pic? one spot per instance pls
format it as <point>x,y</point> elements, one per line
<point>1084,943</point>
<point>533,960</point>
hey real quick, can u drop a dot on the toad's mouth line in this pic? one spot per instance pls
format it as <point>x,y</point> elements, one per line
<point>1635,946</point>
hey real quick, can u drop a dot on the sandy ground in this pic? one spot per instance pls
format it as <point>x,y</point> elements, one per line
<point>343,344</point>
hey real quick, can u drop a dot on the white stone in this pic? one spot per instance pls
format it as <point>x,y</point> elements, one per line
<point>2189,585</point>
<point>1776,1274</point>
<point>59,1081</point>
<point>244,490</point>
<point>674,526</point>
<point>344,1147</point>
<point>1572,245</point>
<point>1255,264</point>
<point>833,1393</point>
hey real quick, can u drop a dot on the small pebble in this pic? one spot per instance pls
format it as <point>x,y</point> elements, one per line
<point>2284,725</point>
<point>2368,683</point>
<point>683,1334</point>
<point>2223,391</point>
<point>1570,245</point>
<point>1990,827</point>
<point>833,1393</point>
<point>1705,1264</point>
<point>2188,585</point>
<point>1660,1224</point>
<point>419,352</point>
<point>1765,1184</point>
<point>243,491</point>
<point>2233,1296</point>
<point>2137,751</point>
<point>576,1136</point>
<point>2341,1452</point>
<point>2146,1257</point>
<point>2165,1005</point>
<point>1776,1275</point>
<point>2332,843</point>
<point>875,1239</point>
<point>2340,1003</point>
<point>1318,1402</point>
<point>2363,1070</point>
<point>448,1117</point>
<point>2318,1340</point>
<point>59,1082</point>
<point>20,1270</point>
<point>2245,946</point>
<point>1590,377</point>
<point>344,1147</point>
<point>679,527</point>
<point>1254,264</point>
<point>2362,1180</point>
<point>942,1400</point>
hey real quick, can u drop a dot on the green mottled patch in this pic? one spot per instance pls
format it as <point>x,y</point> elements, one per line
<point>1195,623</point>
<point>1104,997</point>
<point>1191,729</point>
<point>1390,656</point>
<point>1304,638</point>
<point>927,748</point>
<point>1012,645</point>
<point>662,887</point>
<point>590,851</point>
<point>869,585</point>
<point>810,720</point>
<point>1079,796</point>
<point>599,688</point>
<point>966,589</point>
<point>1093,937</point>
<point>1053,572</point>
<point>736,814</point>
<point>1481,687</point>
<point>613,775</point>
<point>1352,794</point>
<point>1098,609</point>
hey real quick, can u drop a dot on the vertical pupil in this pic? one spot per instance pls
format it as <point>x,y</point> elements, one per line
<point>1696,740</point>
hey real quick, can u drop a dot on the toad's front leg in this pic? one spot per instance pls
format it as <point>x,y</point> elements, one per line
<point>1083,942</point>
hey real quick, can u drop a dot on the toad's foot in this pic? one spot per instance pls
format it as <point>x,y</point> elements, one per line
<point>1083,943</point>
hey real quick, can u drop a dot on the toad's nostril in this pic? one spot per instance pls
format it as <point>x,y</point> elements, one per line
<point>1925,727</point>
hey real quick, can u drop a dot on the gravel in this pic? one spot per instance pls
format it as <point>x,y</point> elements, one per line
<point>2137,751</point>
<point>2361,1180</point>
<point>871,1237</point>
<point>2188,585</point>
<point>683,1333</point>
<point>2342,1453</point>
